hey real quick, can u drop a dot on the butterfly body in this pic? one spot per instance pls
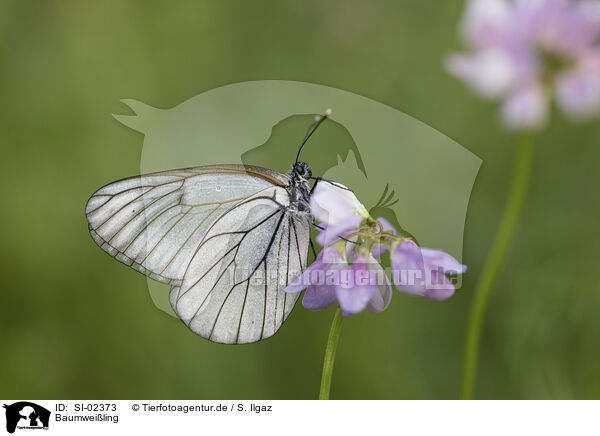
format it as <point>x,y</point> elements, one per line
<point>298,188</point>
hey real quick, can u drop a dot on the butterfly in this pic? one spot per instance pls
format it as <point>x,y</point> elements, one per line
<point>228,239</point>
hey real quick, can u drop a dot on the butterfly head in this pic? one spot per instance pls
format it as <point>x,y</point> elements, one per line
<point>301,170</point>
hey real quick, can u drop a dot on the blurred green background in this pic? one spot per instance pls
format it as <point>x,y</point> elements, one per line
<point>75,323</point>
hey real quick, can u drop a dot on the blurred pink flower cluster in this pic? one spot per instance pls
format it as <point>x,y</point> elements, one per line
<point>528,52</point>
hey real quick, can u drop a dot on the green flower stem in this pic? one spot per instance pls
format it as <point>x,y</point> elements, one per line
<point>334,336</point>
<point>495,260</point>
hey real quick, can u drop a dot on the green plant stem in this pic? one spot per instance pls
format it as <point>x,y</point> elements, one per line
<point>516,199</point>
<point>332,342</point>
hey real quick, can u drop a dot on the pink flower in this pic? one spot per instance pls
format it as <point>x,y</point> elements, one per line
<point>423,271</point>
<point>346,271</point>
<point>525,52</point>
<point>354,286</point>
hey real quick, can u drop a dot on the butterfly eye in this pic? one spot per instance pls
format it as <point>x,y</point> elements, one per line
<point>302,169</point>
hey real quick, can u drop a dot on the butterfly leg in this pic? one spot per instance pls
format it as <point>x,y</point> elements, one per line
<point>321,179</point>
<point>312,247</point>
<point>341,237</point>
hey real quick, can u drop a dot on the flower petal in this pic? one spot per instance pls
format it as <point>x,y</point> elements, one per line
<point>407,254</point>
<point>408,272</point>
<point>378,249</point>
<point>382,298</point>
<point>300,283</point>
<point>527,108</point>
<point>441,289</point>
<point>438,259</point>
<point>486,22</point>
<point>354,300</point>
<point>489,73</point>
<point>331,203</point>
<point>318,297</point>
<point>355,297</point>
<point>342,228</point>
<point>558,27</point>
<point>422,271</point>
<point>578,90</point>
<point>314,274</point>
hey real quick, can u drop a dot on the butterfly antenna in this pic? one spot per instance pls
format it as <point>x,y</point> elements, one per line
<point>311,129</point>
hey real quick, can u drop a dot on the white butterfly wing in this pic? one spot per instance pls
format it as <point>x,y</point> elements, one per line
<point>232,289</point>
<point>157,223</point>
<point>154,222</point>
